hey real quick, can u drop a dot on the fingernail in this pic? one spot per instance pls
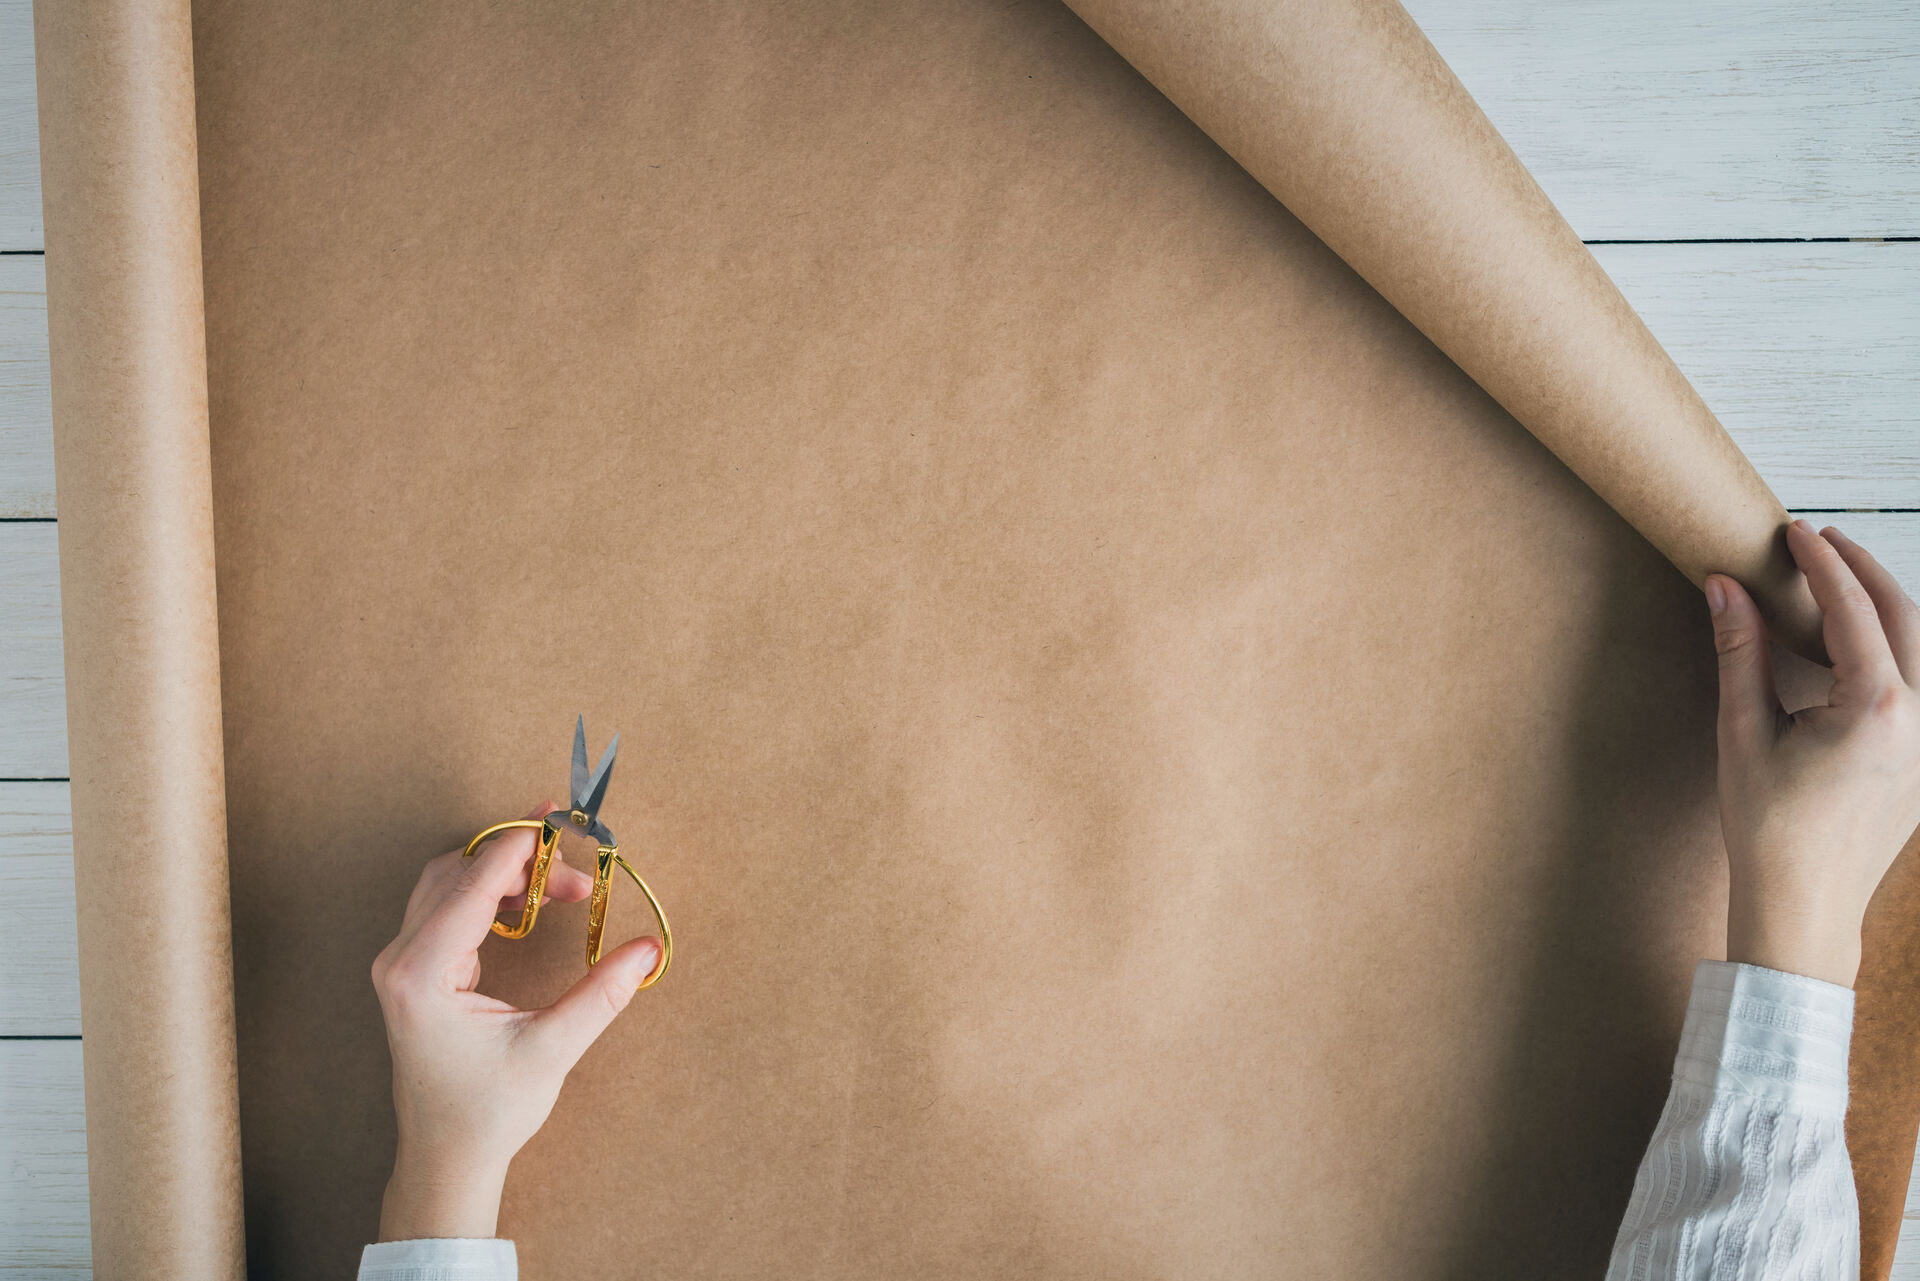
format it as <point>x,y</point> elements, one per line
<point>652,955</point>
<point>1804,525</point>
<point>1716,596</point>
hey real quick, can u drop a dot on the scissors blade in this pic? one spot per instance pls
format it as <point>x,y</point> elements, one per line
<point>597,788</point>
<point>579,780</point>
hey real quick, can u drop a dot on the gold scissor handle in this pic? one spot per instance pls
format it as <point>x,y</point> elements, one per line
<point>597,913</point>
<point>536,883</point>
<point>597,908</point>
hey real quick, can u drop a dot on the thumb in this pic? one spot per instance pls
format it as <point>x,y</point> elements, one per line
<point>1749,708</point>
<point>576,1020</point>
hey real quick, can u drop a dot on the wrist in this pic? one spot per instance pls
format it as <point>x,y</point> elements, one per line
<point>434,1197</point>
<point>1795,934</point>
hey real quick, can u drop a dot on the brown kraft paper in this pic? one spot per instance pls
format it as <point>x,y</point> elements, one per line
<point>1883,1105</point>
<point>143,690</point>
<point>1344,111</point>
<point>1153,771</point>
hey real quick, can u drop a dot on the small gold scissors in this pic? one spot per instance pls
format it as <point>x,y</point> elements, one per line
<point>587,792</point>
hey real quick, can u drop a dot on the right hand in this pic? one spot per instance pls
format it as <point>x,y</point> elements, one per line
<point>473,1077</point>
<point>1814,805</point>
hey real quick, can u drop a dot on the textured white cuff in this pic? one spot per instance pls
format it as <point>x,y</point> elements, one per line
<point>441,1259</point>
<point>1770,1035</point>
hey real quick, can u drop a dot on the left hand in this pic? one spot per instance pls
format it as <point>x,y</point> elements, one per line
<point>473,1077</point>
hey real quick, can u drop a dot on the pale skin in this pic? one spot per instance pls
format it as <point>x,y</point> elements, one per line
<point>1813,807</point>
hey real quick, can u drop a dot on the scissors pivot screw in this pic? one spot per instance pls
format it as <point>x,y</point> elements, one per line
<point>580,818</point>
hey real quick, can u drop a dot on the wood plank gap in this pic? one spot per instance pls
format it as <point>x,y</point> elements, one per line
<point>43,1152</point>
<point>40,1038</point>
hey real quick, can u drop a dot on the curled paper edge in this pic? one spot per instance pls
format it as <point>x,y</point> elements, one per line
<point>1408,181</point>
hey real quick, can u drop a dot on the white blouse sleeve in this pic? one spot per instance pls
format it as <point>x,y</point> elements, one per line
<point>1747,1177</point>
<point>440,1259</point>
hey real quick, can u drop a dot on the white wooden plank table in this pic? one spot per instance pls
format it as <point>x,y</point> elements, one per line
<point>1747,170</point>
<point>26,443</point>
<point>1650,120</point>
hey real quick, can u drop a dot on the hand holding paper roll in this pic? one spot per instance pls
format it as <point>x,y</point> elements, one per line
<point>1815,805</point>
<point>1344,111</point>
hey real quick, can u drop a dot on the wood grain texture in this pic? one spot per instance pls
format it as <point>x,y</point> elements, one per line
<point>43,1161</point>
<point>33,702</point>
<point>39,977</point>
<point>26,410</point>
<point>1717,118</point>
<point>20,225</point>
<point>1810,354</point>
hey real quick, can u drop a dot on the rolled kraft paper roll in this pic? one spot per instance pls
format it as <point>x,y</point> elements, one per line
<point>1344,111</point>
<point>120,183</point>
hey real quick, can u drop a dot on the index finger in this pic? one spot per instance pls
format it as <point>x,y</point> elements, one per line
<point>1898,614</point>
<point>458,924</point>
<point>1851,625</point>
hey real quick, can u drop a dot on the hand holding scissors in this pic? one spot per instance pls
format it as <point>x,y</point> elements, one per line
<point>588,789</point>
<point>473,1076</point>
